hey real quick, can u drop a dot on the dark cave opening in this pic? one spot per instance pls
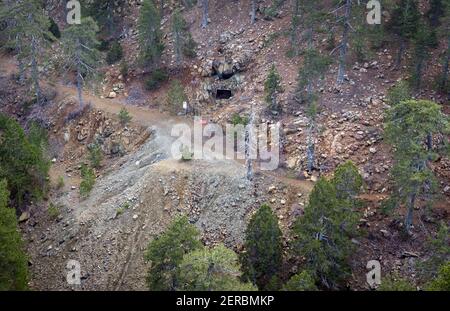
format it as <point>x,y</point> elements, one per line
<point>223,94</point>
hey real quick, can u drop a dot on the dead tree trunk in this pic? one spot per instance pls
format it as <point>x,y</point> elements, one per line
<point>79,75</point>
<point>248,147</point>
<point>205,13</point>
<point>343,47</point>
<point>253,12</point>
<point>35,70</point>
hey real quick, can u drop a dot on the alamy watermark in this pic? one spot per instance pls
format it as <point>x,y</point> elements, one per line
<point>73,12</point>
<point>210,142</point>
<point>374,15</point>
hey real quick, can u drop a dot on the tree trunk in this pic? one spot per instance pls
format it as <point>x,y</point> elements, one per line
<point>430,141</point>
<point>409,215</point>
<point>400,53</point>
<point>248,146</point>
<point>343,48</point>
<point>311,147</point>
<point>205,14</point>
<point>177,47</point>
<point>445,69</point>
<point>253,12</point>
<point>79,76</point>
<point>294,31</point>
<point>419,66</point>
<point>161,9</point>
<point>35,71</point>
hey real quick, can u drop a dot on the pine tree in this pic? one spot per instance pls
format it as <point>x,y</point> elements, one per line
<point>28,30</point>
<point>261,262</point>
<point>330,221</point>
<point>150,37</point>
<point>408,125</point>
<point>303,281</point>
<point>422,44</point>
<point>435,12</point>
<point>165,253</point>
<point>404,24</point>
<point>183,43</point>
<point>313,69</point>
<point>272,87</point>
<point>214,269</point>
<point>344,42</point>
<point>105,13</point>
<point>22,163</point>
<point>13,261</point>
<point>80,51</point>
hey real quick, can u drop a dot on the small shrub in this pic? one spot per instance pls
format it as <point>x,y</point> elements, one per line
<point>124,68</point>
<point>176,95</point>
<point>157,77</point>
<point>60,183</point>
<point>122,208</point>
<point>95,155</point>
<point>303,281</point>
<point>190,47</point>
<point>398,93</point>
<point>54,29</point>
<point>442,281</point>
<point>237,119</point>
<point>394,284</point>
<point>88,180</point>
<point>115,53</point>
<point>124,117</point>
<point>53,211</point>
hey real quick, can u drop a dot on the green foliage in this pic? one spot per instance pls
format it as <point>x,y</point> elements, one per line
<point>115,53</point>
<point>13,261</point>
<point>53,211</point>
<point>122,209</point>
<point>124,68</point>
<point>124,117</point>
<point>105,13</point>
<point>88,180</point>
<point>405,19</point>
<point>347,182</point>
<point>28,33</point>
<point>176,95</point>
<point>439,250</point>
<point>54,29</point>
<point>395,284</point>
<point>328,225</point>
<point>407,126</point>
<point>272,86</point>
<point>60,183</point>
<point>165,253</point>
<point>398,93</point>
<point>156,78</point>
<point>424,39</point>
<point>183,42</point>
<point>314,67</point>
<point>150,36</point>
<point>22,162</point>
<point>435,12</point>
<point>95,155</point>
<point>303,281</point>
<point>238,119</point>
<point>80,47</point>
<point>214,269</point>
<point>262,259</point>
<point>442,280</point>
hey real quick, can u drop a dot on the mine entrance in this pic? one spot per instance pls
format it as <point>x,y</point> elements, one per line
<point>223,94</point>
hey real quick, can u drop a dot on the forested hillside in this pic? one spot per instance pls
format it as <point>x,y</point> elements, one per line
<point>351,98</point>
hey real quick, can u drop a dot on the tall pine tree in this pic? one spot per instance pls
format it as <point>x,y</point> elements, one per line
<point>81,54</point>
<point>261,262</point>
<point>28,30</point>
<point>150,37</point>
